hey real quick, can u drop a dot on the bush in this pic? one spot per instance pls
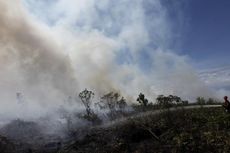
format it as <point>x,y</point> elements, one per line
<point>86,97</point>
<point>113,103</point>
<point>142,100</point>
<point>200,100</point>
<point>168,101</point>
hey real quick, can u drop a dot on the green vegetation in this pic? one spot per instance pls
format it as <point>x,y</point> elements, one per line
<point>203,101</point>
<point>166,102</point>
<point>193,130</point>
<point>162,102</point>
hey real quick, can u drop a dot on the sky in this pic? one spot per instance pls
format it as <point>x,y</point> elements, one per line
<point>53,49</point>
<point>207,36</point>
<point>201,28</point>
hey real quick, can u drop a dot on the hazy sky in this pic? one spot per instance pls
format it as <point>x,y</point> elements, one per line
<point>199,28</point>
<point>196,31</point>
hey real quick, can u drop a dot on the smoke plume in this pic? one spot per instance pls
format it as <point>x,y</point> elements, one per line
<point>51,50</point>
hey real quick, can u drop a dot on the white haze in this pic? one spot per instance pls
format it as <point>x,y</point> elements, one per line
<point>53,49</point>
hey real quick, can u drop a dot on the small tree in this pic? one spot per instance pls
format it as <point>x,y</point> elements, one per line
<point>210,101</point>
<point>168,101</point>
<point>112,102</point>
<point>86,97</point>
<point>175,99</point>
<point>200,100</point>
<point>142,100</point>
<point>122,103</point>
<point>184,102</point>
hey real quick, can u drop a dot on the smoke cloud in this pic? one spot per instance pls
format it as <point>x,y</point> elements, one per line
<point>51,50</point>
<point>31,62</point>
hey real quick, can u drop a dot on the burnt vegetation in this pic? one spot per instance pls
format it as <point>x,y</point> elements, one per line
<point>114,105</point>
<point>112,125</point>
<point>86,97</point>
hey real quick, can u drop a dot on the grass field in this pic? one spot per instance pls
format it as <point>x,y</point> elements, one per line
<point>192,130</point>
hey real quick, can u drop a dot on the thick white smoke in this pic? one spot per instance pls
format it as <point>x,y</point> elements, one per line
<point>53,49</point>
<point>31,63</point>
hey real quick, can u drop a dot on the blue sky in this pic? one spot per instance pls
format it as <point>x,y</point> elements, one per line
<point>207,34</point>
<point>200,30</point>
